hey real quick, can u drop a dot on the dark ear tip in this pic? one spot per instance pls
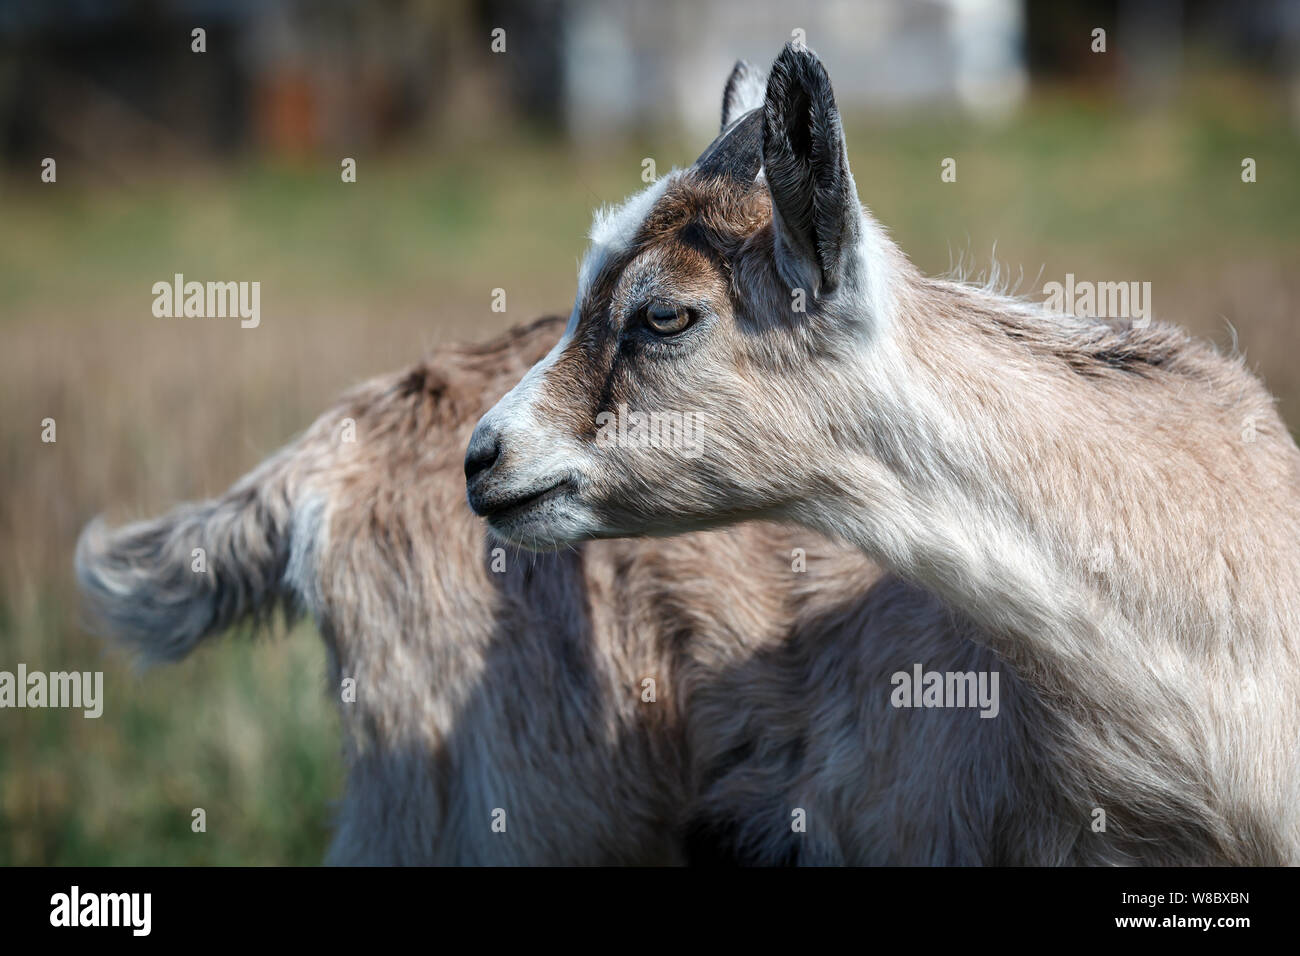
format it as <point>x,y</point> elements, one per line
<point>797,68</point>
<point>799,56</point>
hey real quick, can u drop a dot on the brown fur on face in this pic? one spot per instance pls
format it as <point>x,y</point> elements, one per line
<point>706,244</point>
<point>682,253</point>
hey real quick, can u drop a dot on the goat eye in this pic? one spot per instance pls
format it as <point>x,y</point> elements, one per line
<point>668,319</point>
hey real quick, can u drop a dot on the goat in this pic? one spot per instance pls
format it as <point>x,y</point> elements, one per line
<point>1109,513</point>
<point>507,681</point>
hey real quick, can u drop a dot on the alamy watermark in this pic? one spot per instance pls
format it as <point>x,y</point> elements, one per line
<point>922,688</point>
<point>1101,300</point>
<point>211,300</point>
<point>133,911</point>
<point>56,689</point>
<point>679,432</point>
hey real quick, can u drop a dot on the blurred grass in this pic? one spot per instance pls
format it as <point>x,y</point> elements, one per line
<point>245,733</point>
<point>361,278</point>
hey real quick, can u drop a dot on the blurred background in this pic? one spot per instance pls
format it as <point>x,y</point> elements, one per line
<point>479,157</point>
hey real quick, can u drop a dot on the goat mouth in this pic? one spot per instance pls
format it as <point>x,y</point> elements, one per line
<point>502,510</point>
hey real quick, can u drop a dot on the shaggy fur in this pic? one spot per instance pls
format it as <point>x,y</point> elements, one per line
<point>523,690</point>
<point>1113,513</point>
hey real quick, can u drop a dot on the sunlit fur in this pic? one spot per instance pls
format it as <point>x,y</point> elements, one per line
<point>1113,508</point>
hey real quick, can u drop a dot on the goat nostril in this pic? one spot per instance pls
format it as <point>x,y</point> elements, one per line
<point>484,449</point>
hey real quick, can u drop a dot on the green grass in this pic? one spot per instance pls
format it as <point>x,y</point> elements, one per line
<point>242,730</point>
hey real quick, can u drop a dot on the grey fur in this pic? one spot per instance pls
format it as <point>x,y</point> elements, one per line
<point>139,584</point>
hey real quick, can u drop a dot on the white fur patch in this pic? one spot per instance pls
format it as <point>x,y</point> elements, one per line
<point>747,93</point>
<point>614,227</point>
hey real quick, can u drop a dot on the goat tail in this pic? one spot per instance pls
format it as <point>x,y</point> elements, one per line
<point>160,586</point>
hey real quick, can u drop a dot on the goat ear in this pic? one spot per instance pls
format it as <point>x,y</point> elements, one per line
<point>737,152</point>
<point>744,91</point>
<point>815,205</point>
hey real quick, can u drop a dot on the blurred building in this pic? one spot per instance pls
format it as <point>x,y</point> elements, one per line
<point>101,77</point>
<point>632,63</point>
